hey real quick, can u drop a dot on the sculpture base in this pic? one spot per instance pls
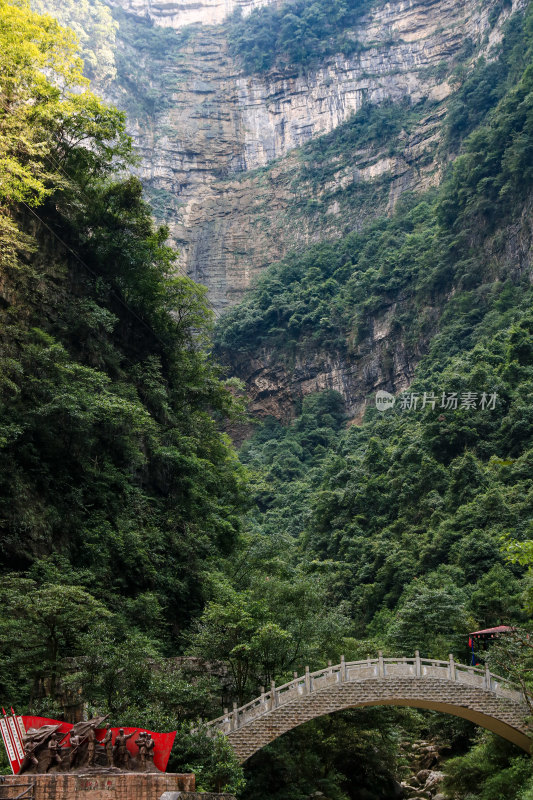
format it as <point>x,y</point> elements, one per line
<point>93,785</point>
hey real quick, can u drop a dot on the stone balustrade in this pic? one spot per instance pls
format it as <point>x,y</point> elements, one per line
<point>470,692</point>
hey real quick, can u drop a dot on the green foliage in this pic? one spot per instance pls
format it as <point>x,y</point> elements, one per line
<point>222,771</point>
<point>122,503</point>
<point>119,493</point>
<point>324,298</point>
<point>495,168</point>
<point>481,89</point>
<point>371,126</point>
<point>211,758</point>
<point>521,552</point>
<point>344,755</point>
<point>95,29</point>
<point>490,771</point>
<point>280,619</point>
<point>123,674</point>
<point>283,462</point>
<point>295,34</point>
<point>431,617</point>
<point>404,497</point>
<point>28,102</point>
<point>403,515</point>
<point>42,625</point>
<point>145,63</point>
<point>47,123</point>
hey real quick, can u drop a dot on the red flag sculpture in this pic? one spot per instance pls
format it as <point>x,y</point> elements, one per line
<point>14,729</point>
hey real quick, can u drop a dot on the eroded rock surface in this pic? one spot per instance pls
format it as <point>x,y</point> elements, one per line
<point>221,153</point>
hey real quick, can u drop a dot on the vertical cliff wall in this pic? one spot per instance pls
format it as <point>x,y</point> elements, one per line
<point>176,14</point>
<point>223,153</point>
<point>247,168</point>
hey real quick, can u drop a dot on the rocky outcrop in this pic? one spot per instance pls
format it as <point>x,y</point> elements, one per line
<point>239,226</point>
<point>221,159</point>
<point>426,786</point>
<point>179,13</point>
<point>425,760</point>
<point>382,361</point>
<point>230,163</point>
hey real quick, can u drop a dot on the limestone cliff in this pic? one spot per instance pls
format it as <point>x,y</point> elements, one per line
<point>382,360</point>
<point>177,14</point>
<point>223,157</point>
<point>246,168</point>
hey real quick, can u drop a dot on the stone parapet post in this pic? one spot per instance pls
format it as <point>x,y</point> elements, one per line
<point>451,668</point>
<point>381,665</point>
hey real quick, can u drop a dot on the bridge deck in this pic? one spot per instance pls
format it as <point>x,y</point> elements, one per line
<point>465,691</point>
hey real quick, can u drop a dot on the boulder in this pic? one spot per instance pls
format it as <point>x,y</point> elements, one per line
<point>433,780</point>
<point>429,758</point>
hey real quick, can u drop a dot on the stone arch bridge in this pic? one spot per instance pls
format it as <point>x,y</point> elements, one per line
<point>446,686</point>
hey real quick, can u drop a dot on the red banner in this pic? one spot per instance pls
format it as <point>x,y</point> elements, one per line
<point>163,741</point>
<point>9,744</point>
<point>38,722</point>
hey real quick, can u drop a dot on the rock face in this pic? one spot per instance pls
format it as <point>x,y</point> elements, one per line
<point>383,360</point>
<point>235,165</point>
<point>274,390</point>
<point>424,760</point>
<point>220,156</point>
<point>175,14</point>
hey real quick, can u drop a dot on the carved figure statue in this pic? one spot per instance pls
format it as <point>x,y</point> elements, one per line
<point>53,752</point>
<point>141,744</point>
<point>107,742</point>
<point>43,749</point>
<point>91,745</point>
<point>121,756</point>
<point>35,742</point>
<point>75,742</point>
<point>150,749</point>
<point>30,759</point>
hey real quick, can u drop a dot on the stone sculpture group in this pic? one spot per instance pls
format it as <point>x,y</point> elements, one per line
<point>46,750</point>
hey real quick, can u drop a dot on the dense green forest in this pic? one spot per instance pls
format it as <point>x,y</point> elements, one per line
<point>120,497</point>
<point>295,34</point>
<point>133,534</point>
<point>419,518</point>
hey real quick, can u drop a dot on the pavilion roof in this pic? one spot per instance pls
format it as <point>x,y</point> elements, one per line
<point>489,631</point>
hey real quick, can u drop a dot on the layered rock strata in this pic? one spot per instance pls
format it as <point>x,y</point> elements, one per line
<point>222,152</point>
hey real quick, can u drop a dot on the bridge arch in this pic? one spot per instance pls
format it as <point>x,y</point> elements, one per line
<point>445,686</point>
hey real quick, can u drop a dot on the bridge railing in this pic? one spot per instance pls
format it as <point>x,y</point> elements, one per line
<point>380,667</point>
